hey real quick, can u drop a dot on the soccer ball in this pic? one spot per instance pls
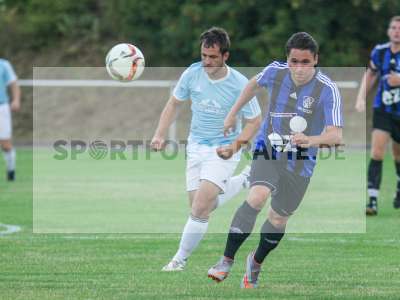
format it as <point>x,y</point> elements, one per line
<point>125,62</point>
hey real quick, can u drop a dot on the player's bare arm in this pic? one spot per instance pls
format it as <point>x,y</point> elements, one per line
<point>247,94</point>
<point>250,129</point>
<point>331,136</point>
<point>15,93</point>
<point>168,116</point>
<point>367,83</point>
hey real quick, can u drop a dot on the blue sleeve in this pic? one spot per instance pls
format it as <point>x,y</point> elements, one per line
<point>182,88</point>
<point>8,74</point>
<point>332,105</point>
<point>264,75</point>
<point>375,63</point>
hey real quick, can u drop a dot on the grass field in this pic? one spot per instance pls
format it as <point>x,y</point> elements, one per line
<point>127,266</point>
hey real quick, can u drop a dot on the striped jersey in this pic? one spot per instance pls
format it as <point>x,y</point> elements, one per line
<point>384,61</point>
<point>318,102</point>
<point>211,101</point>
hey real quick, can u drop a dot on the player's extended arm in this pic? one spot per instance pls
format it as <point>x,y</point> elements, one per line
<point>168,116</point>
<point>249,91</point>
<point>15,93</point>
<point>331,136</point>
<point>367,83</point>
<point>244,138</point>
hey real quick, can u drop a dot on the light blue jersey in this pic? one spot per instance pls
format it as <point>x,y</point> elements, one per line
<point>211,102</point>
<point>7,75</point>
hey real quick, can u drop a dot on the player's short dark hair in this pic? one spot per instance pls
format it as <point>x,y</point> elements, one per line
<point>394,19</point>
<point>216,36</point>
<point>302,41</point>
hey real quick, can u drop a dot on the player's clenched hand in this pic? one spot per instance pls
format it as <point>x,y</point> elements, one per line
<point>393,79</point>
<point>300,139</point>
<point>226,152</point>
<point>157,143</point>
<point>15,106</point>
<point>229,124</point>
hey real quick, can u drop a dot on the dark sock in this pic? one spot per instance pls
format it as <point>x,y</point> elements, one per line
<point>241,227</point>
<point>397,165</point>
<point>10,175</point>
<point>374,179</point>
<point>270,237</point>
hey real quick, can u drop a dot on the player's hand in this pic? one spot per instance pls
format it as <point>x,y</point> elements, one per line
<point>157,143</point>
<point>360,106</point>
<point>301,140</point>
<point>15,106</point>
<point>393,79</point>
<point>229,124</point>
<point>226,152</point>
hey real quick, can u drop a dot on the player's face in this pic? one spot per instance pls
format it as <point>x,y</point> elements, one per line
<point>301,64</point>
<point>213,59</point>
<point>394,32</point>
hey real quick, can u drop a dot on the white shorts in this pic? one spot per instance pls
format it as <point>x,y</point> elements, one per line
<point>203,163</point>
<point>5,122</point>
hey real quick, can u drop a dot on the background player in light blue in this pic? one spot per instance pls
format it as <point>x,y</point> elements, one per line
<point>212,87</point>
<point>8,87</point>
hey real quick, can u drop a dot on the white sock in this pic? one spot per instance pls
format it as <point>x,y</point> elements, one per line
<point>9,157</point>
<point>233,187</point>
<point>192,234</point>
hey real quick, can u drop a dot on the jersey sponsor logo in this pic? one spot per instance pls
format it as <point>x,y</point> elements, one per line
<point>197,89</point>
<point>211,106</point>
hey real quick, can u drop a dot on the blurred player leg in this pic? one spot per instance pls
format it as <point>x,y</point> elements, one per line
<point>380,140</point>
<point>396,156</point>
<point>5,140</point>
<point>9,157</point>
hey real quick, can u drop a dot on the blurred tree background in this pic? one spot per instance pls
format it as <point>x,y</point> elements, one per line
<point>79,33</point>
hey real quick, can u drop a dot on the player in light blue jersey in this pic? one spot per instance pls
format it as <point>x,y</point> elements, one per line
<point>212,88</point>
<point>8,83</point>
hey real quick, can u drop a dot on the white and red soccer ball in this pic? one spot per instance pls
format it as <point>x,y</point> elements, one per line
<point>125,62</point>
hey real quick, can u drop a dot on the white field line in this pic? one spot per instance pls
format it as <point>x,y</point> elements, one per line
<point>164,237</point>
<point>9,229</point>
<point>138,83</point>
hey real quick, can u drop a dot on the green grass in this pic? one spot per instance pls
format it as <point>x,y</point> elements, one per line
<point>126,266</point>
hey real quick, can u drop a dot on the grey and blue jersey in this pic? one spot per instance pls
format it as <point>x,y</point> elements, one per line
<point>7,76</point>
<point>211,101</point>
<point>318,102</point>
<point>384,61</point>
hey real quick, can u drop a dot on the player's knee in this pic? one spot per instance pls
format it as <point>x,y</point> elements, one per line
<point>200,209</point>
<point>6,146</point>
<point>258,196</point>
<point>377,153</point>
<point>276,219</point>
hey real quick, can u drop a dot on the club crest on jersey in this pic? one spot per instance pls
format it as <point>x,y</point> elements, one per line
<point>307,104</point>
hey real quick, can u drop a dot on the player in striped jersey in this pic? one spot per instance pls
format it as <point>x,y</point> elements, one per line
<point>384,67</point>
<point>304,113</point>
<point>212,88</point>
